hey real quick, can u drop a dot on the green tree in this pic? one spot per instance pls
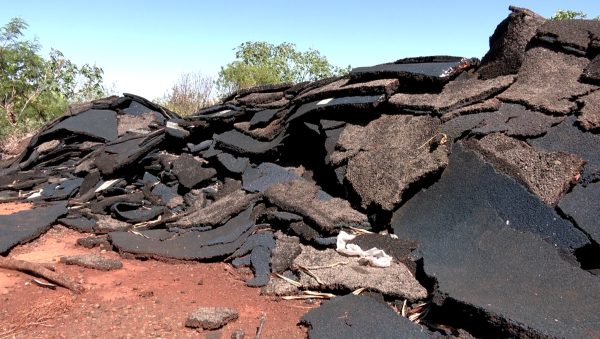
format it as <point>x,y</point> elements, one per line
<point>34,89</point>
<point>562,14</point>
<point>260,63</point>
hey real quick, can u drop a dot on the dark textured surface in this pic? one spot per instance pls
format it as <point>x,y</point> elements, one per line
<point>566,137</point>
<point>135,213</point>
<point>189,245</point>
<point>233,164</point>
<point>340,106</point>
<point>547,174</point>
<point>240,143</point>
<point>255,99</point>
<point>469,184</point>
<point>583,205</point>
<point>511,119</point>
<point>591,73</point>
<point>265,175</point>
<point>434,69</point>
<point>345,88</point>
<point>190,172</point>
<point>359,317</point>
<point>101,124</point>
<point>301,197</point>
<point>507,44</point>
<point>262,118</point>
<point>94,241</point>
<point>589,119</point>
<point>216,213</point>
<point>547,81</point>
<point>573,36</point>
<point>388,155</point>
<point>61,190</point>
<point>81,224</point>
<point>136,108</point>
<point>21,227</point>
<point>496,251</point>
<point>285,251</point>
<point>489,105</point>
<point>340,273</point>
<point>124,151</point>
<point>455,94</point>
<point>257,251</point>
<point>397,248</point>
<point>502,269</point>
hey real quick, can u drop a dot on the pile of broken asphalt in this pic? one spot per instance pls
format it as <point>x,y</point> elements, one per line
<point>481,179</point>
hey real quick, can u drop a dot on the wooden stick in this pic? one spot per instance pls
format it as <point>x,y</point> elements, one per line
<point>40,270</point>
<point>263,318</point>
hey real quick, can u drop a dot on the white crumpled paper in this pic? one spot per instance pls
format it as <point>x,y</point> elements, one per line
<point>375,256</point>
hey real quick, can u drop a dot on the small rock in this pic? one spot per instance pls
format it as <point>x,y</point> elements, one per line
<point>211,318</point>
<point>91,242</point>
<point>92,261</point>
<point>238,334</point>
<point>213,335</point>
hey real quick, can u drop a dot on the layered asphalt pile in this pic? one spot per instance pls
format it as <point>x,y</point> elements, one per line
<point>481,179</point>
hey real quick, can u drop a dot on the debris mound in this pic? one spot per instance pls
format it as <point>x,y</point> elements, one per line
<point>479,179</point>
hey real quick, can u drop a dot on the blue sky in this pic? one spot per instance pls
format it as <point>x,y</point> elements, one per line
<point>144,46</point>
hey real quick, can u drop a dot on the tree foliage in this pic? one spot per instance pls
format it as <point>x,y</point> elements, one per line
<point>260,63</point>
<point>190,93</point>
<point>34,89</point>
<point>562,14</point>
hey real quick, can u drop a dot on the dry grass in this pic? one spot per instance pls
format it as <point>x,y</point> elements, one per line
<point>14,144</point>
<point>38,315</point>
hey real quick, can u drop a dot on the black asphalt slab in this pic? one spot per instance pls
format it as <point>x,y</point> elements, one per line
<point>488,172</point>
<point>24,226</point>
<point>262,118</point>
<point>591,73</point>
<point>99,124</point>
<point>470,184</point>
<point>235,165</point>
<point>511,119</point>
<point>489,244</point>
<point>135,213</point>
<point>190,171</point>
<point>431,68</point>
<point>124,151</point>
<point>257,251</point>
<point>582,204</point>
<point>572,36</point>
<point>243,144</point>
<point>340,107</point>
<point>187,245</point>
<point>357,316</point>
<point>508,43</point>
<point>567,137</point>
<point>265,175</point>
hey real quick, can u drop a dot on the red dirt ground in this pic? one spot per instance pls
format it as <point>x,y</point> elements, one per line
<point>144,299</point>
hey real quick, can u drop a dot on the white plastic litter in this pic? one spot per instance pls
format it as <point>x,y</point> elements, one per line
<point>35,195</point>
<point>106,185</point>
<point>375,256</point>
<point>324,102</point>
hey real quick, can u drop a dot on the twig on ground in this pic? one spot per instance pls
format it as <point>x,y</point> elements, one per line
<point>442,141</point>
<point>40,270</point>
<point>263,318</point>
<point>326,266</point>
<point>307,271</point>
<point>288,280</point>
<point>309,295</point>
